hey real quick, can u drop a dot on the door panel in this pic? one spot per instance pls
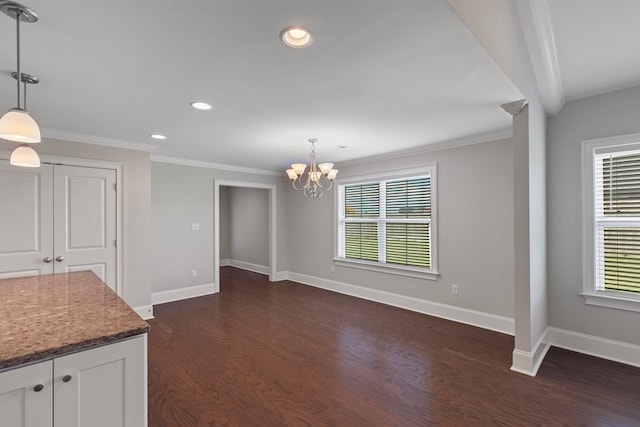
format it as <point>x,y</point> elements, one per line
<point>85,221</point>
<point>26,233</point>
<point>86,213</point>
<point>105,387</point>
<point>100,269</point>
<point>18,273</point>
<point>20,404</point>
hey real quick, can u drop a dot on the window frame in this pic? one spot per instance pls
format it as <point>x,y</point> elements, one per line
<point>396,269</point>
<point>593,296</point>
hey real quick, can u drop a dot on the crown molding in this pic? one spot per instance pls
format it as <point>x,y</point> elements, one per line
<point>211,165</point>
<point>96,140</point>
<point>436,146</point>
<point>537,26</point>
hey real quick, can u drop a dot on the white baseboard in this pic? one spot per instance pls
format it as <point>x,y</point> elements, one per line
<point>262,269</point>
<point>182,293</point>
<point>225,262</point>
<point>604,348</point>
<point>281,275</point>
<point>528,363</point>
<point>144,311</point>
<point>449,312</point>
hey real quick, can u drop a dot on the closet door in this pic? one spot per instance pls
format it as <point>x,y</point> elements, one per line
<point>26,226</point>
<point>85,221</point>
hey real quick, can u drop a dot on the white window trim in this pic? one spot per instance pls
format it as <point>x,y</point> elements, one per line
<point>592,296</point>
<point>400,270</point>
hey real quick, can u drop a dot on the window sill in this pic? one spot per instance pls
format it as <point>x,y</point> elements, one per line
<point>612,300</point>
<point>389,269</point>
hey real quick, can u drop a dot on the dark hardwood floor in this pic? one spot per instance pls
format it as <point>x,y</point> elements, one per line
<point>285,354</point>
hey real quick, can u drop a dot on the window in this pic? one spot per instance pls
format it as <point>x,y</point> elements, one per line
<point>611,255</point>
<point>387,223</point>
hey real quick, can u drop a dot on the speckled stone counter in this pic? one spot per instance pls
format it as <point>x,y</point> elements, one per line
<point>50,315</point>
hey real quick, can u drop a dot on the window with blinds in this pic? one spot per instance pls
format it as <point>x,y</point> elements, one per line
<point>388,221</point>
<point>617,221</point>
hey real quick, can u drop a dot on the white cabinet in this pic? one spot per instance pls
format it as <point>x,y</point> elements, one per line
<point>26,396</point>
<point>100,387</point>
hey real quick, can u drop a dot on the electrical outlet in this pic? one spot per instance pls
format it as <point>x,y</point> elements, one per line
<point>195,226</point>
<point>454,289</point>
<point>194,273</point>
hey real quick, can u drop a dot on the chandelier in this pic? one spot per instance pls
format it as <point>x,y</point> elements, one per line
<point>319,178</point>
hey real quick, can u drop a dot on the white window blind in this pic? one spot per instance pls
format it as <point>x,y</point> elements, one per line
<point>617,221</point>
<point>387,221</point>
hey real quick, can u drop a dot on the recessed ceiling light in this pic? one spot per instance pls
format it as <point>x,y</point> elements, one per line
<point>157,136</point>
<point>296,37</point>
<point>199,105</point>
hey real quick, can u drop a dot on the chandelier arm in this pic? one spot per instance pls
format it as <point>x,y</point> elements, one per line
<point>313,192</point>
<point>299,186</point>
<point>330,181</point>
<point>324,183</point>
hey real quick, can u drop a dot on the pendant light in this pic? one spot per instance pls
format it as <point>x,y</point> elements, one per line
<point>24,155</point>
<point>17,125</point>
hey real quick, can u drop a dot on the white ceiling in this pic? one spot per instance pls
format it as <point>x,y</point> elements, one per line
<point>597,43</point>
<point>382,75</point>
<point>581,48</point>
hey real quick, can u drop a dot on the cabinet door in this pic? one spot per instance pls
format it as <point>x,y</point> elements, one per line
<point>26,220</point>
<point>85,221</point>
<point>20,404</point>
<point>102,387</point>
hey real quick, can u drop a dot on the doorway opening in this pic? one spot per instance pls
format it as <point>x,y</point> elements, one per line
<point>271,188</point>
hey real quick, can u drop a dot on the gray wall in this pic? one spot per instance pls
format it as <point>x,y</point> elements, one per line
<point>475,230</point>
<point>136,213</point>
<point>181,195</point>
<point>225,223</point>
<point>610,114</point>
<point>249,225</point>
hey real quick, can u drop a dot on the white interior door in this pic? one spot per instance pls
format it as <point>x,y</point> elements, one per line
<point>26,226</point>
<point>85,221</point>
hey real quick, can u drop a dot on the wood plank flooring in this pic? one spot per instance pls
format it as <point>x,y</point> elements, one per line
<point>285,354</point>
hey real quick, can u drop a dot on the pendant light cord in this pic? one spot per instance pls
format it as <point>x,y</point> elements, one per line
<point>19,76</point>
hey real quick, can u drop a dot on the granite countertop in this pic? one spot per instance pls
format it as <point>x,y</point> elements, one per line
<point>50,315</point>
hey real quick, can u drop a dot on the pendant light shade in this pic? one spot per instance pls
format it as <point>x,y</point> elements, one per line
<point>17,125</point>
<point>25,156</point>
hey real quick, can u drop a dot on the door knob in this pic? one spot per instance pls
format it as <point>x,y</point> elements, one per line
<point>66,378</point>
<point>59,258</point>
<point>38,388</point>
<point>48,259</point>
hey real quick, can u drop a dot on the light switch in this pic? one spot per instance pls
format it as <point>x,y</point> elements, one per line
<point>195,226</point>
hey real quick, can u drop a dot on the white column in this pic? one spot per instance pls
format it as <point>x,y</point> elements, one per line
<point>530,308</point>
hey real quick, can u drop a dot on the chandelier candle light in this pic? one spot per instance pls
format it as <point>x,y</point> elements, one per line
<point>319,178</point>
<point>17,125</point>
